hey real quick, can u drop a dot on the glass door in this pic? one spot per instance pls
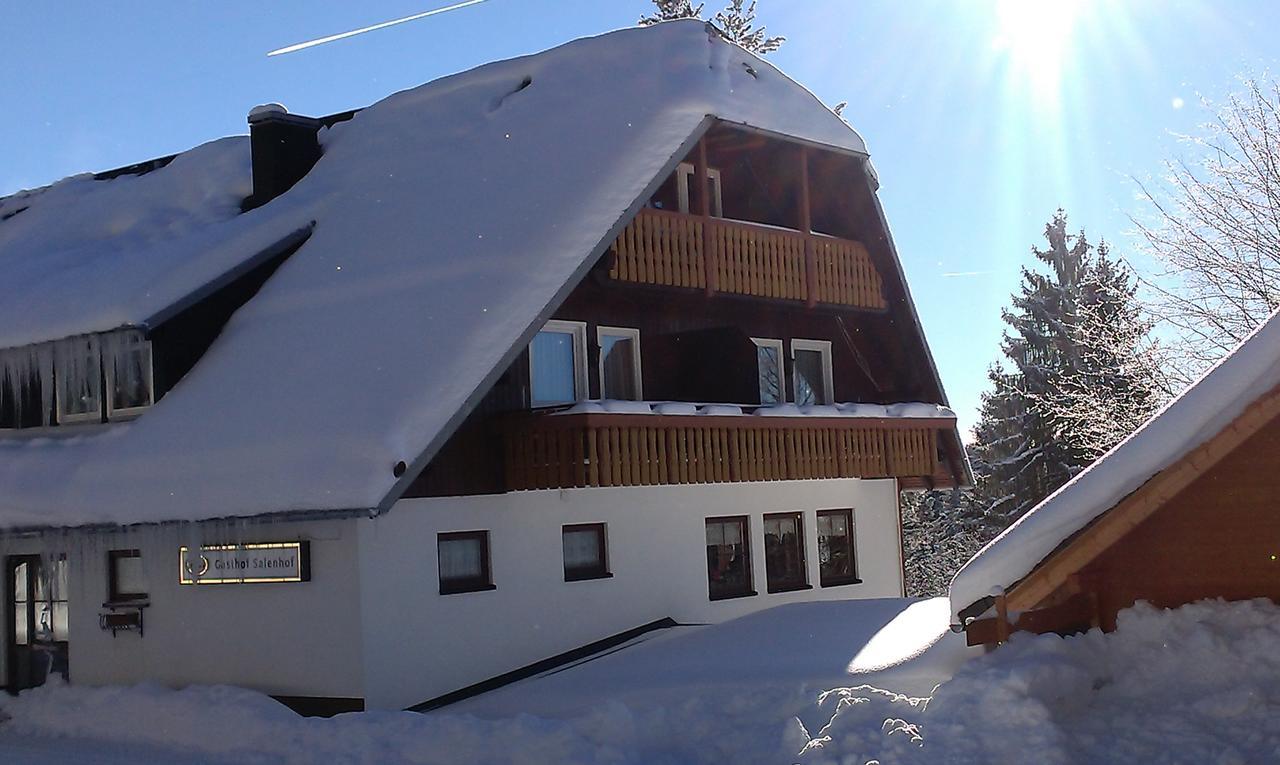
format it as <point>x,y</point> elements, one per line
<point>37,620</point>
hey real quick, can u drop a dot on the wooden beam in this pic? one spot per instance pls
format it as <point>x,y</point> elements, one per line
<point>704,209</point>
<point>1126,515</point>
<point>806,226</point>
<point>1002,618</point>
<point>859,359</point>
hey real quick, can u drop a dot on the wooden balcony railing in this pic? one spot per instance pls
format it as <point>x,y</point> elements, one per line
<point>577,450</point>
<point>670,249</point>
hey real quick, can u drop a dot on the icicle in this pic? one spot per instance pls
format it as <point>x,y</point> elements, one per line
<point>42,359</point>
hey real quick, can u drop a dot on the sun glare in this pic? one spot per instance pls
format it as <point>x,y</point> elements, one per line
<point>1036,37</point>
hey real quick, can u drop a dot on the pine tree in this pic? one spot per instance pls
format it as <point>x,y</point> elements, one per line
<point>1079,373</point>
<point>669,10</point>
<point>738,25</point>
<point>1083,373</point>
<point>737,22</point>
<point>941,530</point>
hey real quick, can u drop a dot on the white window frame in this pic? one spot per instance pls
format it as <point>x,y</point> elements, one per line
<point>776,344</point>
<point>129,412</point>
<point>684,178</point>
<point>64,417</point>
<point>824,347</point>
<point>579,331</point>
<point>628,333</point>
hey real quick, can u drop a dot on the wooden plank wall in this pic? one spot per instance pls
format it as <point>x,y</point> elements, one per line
<point>1217,538</point>
<point>1220,537</point>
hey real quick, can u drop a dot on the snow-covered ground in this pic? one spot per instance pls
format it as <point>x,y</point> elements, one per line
<point>803,683</point>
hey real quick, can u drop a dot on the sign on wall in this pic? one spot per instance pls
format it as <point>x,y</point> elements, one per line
<point>242,564</point>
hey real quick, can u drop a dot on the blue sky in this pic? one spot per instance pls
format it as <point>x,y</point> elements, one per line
<point>983,116</point>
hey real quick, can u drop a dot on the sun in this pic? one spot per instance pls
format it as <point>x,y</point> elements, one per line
<point>1036,37</point>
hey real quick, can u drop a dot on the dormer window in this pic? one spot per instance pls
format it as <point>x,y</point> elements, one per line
<point>127,362</point>
<point>83,379</point>
<point>685,174</point>
<point>558,364</point>
<point>77,372</point>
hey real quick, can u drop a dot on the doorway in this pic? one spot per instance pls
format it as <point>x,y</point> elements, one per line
<point>36,620</point>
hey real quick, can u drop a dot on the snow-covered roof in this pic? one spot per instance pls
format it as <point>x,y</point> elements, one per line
<point>86,255</point>
<point>1195,416</point>
<point>449,219</point>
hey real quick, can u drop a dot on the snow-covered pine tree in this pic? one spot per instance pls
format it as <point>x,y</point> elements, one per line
<point>1119,376</point>
<point>1083,373</point>
<point>1080,372</point>
<point>737,22</point>
<point>668,10</point>
<point>940,531</point>
<point>739,25</point>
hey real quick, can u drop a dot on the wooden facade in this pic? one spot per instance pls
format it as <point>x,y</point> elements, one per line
<point>1205,527</point>
<point>698,288</point>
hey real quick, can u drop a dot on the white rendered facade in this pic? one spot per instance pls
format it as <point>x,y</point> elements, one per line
<point>371,623</point>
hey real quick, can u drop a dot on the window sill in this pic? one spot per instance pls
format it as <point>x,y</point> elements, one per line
<point>733,595</point>
<point>841,582</point>
<point>587,576</point>
<point>458,589</point>
<point>790,588</point>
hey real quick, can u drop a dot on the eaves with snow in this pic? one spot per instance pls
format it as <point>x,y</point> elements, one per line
<point>445,221</point>
<point>1190,420</point>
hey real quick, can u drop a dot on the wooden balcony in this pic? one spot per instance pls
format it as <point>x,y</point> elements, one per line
<point>671,249</point>
<point>557,451</point>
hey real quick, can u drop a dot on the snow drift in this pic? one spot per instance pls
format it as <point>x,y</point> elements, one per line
<point>1200,684</point>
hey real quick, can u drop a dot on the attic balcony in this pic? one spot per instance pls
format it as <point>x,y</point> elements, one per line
<point>674,249</point>
<point>589,449</point>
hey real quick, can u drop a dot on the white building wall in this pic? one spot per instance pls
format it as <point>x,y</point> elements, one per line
<point>293,639</point>
<point>419,644</point>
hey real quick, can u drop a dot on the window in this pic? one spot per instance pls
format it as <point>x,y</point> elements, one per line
<point>684,182</point>
<point>811,366</point>
<point>836,561</point>
<point>728,558</point>
<point>76,380</point>
<point>127,362</point>
<point>77,371</point>
<point>557,364</point>
<point>50,596</point>
<point>125,577</point>
<point>464,561</point>
<point>784,552</point>
<point>620,363</point>
<point>585,552</point>
<point>769,370</point>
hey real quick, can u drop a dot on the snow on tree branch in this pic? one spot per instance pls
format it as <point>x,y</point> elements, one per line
<point>736,22</point>
<point>1215,228</point>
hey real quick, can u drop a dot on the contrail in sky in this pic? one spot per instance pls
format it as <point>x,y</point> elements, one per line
<point>383,25</point>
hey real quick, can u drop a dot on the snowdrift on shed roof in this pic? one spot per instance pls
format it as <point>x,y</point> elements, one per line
<point>1195,416</point>
<point>450,219</point>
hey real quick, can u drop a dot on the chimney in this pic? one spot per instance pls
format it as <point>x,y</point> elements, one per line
<point>285,147</point>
